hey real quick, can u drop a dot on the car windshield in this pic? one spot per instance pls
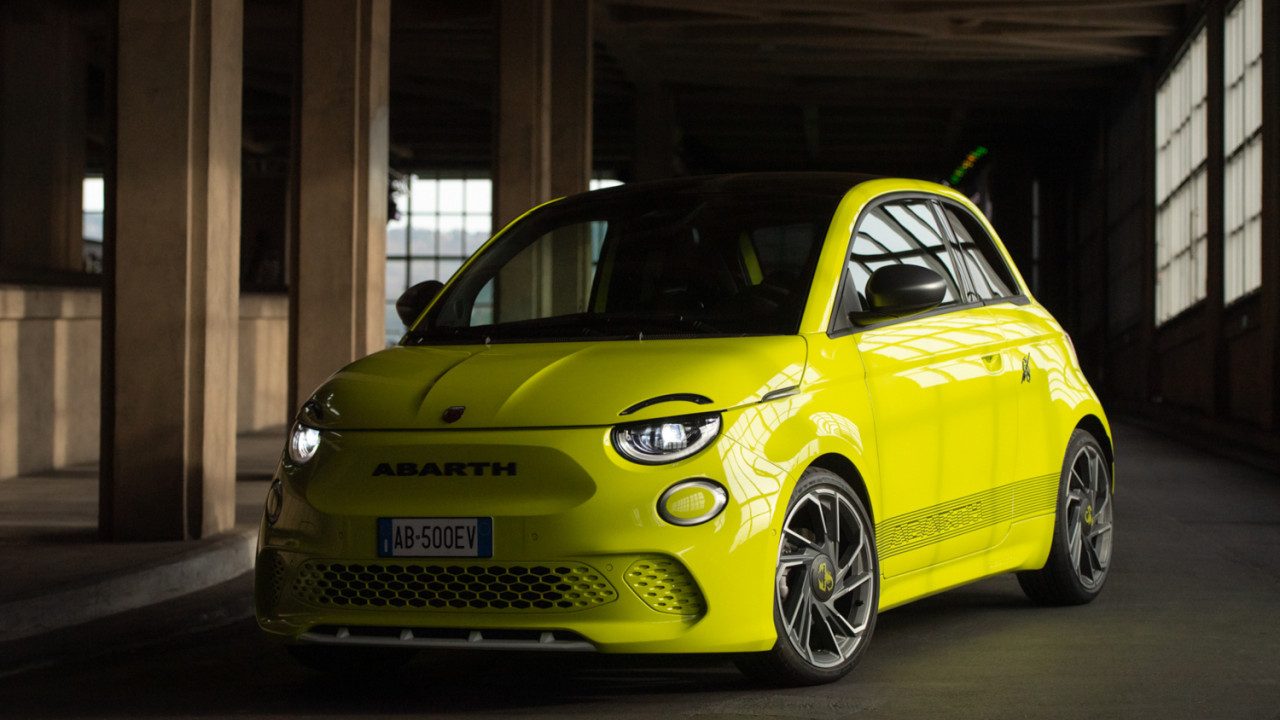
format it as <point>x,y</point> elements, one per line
<point>675,259</point>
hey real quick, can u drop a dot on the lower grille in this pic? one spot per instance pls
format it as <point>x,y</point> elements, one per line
<point>666,586</point>
<point>396,586</point>
<point>561,640</point>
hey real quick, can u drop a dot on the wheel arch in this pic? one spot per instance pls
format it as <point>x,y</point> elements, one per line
<point>844,467</point>
<point>1095,427</point>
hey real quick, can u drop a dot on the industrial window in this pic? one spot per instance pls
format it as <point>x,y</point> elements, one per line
<point>1181,144</point>
<point>92,204</point>
<point>445,216</point>
<point>1242,148</point>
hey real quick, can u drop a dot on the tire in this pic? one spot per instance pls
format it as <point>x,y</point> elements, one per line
<point>1080,557</point>
<point>826,588</point>
<point>351,660</point>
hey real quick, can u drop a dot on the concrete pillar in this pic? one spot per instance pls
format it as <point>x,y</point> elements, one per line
<point>42,136</point>
<point>572,66</point>
<point>544,113</point>
<point>522,177</point>
<point>174,319</point>
<point>571,141</point>
<point>338,254</point>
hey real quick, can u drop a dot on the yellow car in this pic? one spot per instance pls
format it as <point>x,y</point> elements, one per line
<point>737,414</point>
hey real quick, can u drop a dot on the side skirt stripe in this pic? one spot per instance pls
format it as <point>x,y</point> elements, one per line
<point>934,524</point>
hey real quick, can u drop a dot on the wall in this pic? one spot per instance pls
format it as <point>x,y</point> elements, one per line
<point>1210,374</point>
<point>264,362</point>
<point>50,347</point>
<point>50,342</point>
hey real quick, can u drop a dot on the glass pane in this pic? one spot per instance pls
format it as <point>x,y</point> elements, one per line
<point>395,328</point>
<point>447,268</point>
<point>905,233</point>
<point>422,194</point>
<point>94,195</point>
<point>477,232</point>
<point>479,197</point>
<point>700,262</point>
<point>482,311</point>
<point>397,237</point>
<point>92,230</point>
<point>987,269</point>
<point>422,235</point>
<point>396,279</point>
<point>422,270</point>
<point>451,196</point>
<point>450,236</point>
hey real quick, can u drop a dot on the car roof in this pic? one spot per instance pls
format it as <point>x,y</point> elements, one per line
<point>834,184</point>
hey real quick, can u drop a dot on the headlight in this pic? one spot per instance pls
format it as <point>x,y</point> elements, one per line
<point>303,443</point>
<point>655,442</point>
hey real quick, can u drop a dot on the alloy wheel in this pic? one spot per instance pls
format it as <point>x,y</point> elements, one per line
<point>826,578</point>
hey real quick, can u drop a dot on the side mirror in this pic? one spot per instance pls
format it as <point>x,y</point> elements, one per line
<point>413,301</point>
<point>895,291</point>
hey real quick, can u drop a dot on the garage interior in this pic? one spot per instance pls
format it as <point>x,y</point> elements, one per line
<point>255,162</point>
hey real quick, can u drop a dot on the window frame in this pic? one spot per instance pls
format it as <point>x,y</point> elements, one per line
<point>836,329</point>
<point>1019,296</point>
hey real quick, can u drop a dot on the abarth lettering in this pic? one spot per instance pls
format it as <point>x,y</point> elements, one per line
<point>449,469</point>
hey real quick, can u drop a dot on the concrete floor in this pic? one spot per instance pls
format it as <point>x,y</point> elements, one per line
<point>1187,627</point>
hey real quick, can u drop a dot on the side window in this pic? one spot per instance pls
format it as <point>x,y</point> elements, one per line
<point>990,275</point>
<point>901,232</point>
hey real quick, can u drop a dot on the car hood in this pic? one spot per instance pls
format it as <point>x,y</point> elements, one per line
<point>552,384</point>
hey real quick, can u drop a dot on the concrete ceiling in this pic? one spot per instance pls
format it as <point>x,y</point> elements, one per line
<point>875,85</point>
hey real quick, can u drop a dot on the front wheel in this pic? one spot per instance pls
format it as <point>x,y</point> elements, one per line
<point>827,586</point>
<point>1080,556</point>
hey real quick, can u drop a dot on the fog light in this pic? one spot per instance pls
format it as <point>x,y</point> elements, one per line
<point>692,502</point>
<point>275,502</point>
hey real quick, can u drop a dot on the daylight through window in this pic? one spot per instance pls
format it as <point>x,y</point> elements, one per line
<point>1181,225</point>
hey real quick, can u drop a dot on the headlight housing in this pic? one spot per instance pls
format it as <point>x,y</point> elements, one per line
<point>656,442</point>
<point>303,443</point>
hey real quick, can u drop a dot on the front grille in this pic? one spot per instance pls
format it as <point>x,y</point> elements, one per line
<point>395,586</point>
<point>272,570</point>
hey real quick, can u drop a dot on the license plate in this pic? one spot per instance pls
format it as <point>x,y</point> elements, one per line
<point>435,537</point>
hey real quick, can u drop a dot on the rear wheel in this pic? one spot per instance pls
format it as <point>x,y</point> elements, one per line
<point>1080,557</point>
<point>827,586</point>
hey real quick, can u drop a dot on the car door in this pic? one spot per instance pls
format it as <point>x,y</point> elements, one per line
<point>933,383</point>
<point>1036,356</point>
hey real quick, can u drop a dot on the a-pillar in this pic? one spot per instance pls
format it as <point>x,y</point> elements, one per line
<point>42,132</point>
<point>544,138</point>
<point>173,330</point>
<point>338,251</point>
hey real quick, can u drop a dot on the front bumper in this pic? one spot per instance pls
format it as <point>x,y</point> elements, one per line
<point>581,558</point>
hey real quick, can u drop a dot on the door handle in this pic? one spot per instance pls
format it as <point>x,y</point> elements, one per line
<point>994,362</point>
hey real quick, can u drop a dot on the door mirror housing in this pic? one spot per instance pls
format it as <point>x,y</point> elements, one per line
<point>413,301</point>
<point>895,291</point>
